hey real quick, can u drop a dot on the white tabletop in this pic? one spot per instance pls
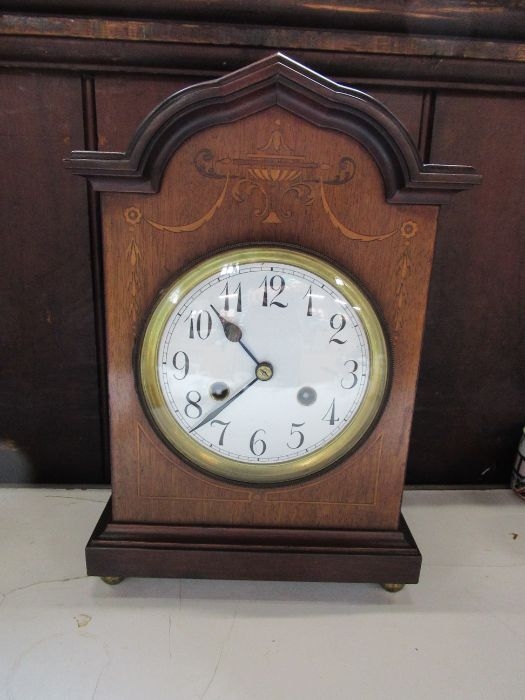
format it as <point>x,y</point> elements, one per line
<point>459,633</point>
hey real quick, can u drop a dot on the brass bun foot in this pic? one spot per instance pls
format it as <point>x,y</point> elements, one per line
<point>112,580</point>
<point>393,587</point>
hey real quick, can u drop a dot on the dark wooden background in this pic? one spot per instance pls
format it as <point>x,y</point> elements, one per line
<point>77,75</point>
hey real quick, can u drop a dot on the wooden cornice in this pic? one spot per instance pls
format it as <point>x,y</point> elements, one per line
<point>416,46</point>
<point>491,18</point>
<point>275,80</point>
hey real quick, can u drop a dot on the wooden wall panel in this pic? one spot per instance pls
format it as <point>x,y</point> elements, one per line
<point>468,409</point>
<point>407,105</point>
<point>471,400</point>
<point>122,103</point>
<point>49,401</point>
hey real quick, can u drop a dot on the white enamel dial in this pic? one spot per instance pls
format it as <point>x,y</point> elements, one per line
<point>267,369</point>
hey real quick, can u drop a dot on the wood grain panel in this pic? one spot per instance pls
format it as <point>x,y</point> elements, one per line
<point>471,398</point>
<point>49,403</point>
<point>407,105</point>
<point>140,259</point>
<point>122,103</point>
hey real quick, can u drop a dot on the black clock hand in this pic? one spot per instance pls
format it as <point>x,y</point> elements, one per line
<point>233,333</point>
<point>216,411</point>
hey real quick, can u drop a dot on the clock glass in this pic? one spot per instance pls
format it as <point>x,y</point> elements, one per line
<point>263,365</point>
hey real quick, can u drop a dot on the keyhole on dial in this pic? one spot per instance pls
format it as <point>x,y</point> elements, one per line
<point>219,391</point>
<point>306,396</point>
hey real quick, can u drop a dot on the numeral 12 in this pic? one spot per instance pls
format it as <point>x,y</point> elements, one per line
<point>277,284</point>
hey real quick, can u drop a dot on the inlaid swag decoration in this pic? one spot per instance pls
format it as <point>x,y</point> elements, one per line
<point>275,180</point>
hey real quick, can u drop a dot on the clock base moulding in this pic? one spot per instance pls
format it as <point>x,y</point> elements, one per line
<point>118,549</point>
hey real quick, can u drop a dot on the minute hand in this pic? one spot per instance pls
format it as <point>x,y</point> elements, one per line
<point>218,410</point>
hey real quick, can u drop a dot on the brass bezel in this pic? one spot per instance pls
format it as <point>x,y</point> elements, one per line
<point>195,453</point>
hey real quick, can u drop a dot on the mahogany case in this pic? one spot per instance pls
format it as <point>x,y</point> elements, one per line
<point>274,153</point>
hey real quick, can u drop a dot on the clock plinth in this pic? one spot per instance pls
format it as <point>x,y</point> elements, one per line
<point>254,476</point>
<point>119,549</point>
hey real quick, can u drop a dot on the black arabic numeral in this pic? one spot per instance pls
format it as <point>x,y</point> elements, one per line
<point>277,284</point>
<point>190,317</point>
<point>257,445</point>
<point>329,416</point>
<point>183,367</point>
<point>193,403</point>
<point>265,293</point>
<point>309,295</point>
<point>226,294</point>
<point>220,422</point>
<point>296,432</point>
<point>337,323</point>
<point>351,373</point>
<point>203,327</point>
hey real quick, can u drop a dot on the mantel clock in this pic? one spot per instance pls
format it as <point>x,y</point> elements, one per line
<point>267,246</point>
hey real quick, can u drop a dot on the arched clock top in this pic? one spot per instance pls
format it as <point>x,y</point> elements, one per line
<point>274,81</point>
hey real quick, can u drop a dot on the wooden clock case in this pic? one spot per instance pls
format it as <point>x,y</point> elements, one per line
<point>277,153</point>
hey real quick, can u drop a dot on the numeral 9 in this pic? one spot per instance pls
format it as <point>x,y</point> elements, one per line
<point>181,362</point>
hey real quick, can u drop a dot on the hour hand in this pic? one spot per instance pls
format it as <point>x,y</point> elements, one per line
<point>233,333</point>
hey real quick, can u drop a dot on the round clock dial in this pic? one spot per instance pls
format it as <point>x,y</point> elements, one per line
<point>263,365</point>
